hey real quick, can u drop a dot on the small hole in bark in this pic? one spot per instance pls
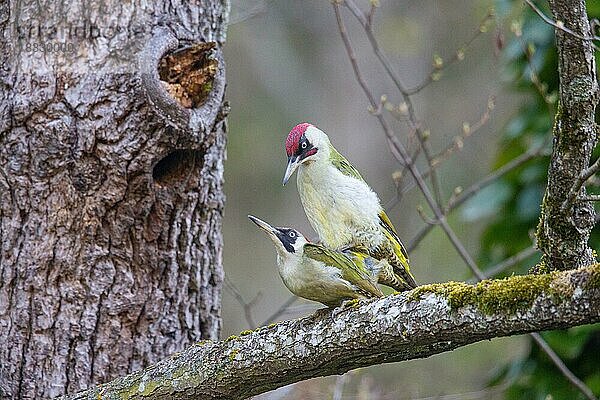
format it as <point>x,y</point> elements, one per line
<point>188,73</point>
<point>178,165</point>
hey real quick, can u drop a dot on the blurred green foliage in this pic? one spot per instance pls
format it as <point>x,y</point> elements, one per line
<point>517,197</point>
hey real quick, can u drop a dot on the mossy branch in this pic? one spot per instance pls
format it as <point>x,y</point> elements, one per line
<point>426,321</point>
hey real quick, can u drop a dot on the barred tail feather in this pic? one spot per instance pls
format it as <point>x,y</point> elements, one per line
<point>389,278</point>
<point>399,261</point>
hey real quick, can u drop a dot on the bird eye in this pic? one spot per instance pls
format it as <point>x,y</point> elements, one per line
<point>304,145</point>
<point>292,234</point>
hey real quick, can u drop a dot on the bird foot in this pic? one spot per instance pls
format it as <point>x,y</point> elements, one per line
<point>321,312</point>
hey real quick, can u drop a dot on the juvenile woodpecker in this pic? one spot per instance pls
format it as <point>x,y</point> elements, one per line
<point>320,274</point>
<point>343,210</point>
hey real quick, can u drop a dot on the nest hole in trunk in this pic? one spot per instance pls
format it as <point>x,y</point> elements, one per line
<point>177,166</point>
<point>188,73</point>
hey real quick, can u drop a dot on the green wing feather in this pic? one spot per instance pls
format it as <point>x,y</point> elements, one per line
<point>399,258</point>
<point>387,225</point>
<point>343,165</point>
<point>357,274</point>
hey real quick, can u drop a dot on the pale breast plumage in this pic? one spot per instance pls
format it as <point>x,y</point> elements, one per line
<point>341,209</point>
<point>315,281</point>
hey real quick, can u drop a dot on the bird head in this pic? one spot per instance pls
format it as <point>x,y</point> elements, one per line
<point>305,143</point>
<point>287,241</point>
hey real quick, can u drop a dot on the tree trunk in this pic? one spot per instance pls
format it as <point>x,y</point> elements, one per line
<point>110,191</point>
<point>566,222</point>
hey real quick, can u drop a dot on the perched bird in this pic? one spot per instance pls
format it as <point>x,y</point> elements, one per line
<point>320,274</point>
<point>343,210</point>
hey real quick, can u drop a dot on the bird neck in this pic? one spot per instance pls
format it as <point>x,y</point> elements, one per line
<point>288,263</point>
<point>320,164</point>
<point>284,255</point>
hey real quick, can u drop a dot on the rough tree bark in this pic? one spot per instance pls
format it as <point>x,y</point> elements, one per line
<point>426,321</point>
<point>429,319</point>
<point>566,223</point>
<point>110,191</point>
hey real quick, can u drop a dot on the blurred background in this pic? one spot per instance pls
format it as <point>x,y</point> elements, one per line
<point>286,64</point>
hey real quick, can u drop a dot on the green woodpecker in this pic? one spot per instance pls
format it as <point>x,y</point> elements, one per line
<point>343,210</point>
<point>320,274</point>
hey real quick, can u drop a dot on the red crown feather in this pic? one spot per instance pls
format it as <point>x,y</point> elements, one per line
<point>293,139</point>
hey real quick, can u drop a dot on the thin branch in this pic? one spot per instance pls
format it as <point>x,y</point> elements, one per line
<point>248,13</point>
<point>534,77</point>
<point>425,217</point>
<point>560,25</point>
<point>579,182</point>
<point>562,367</point>
<point>246,306</point>
<point>398,149</point>
<point>400,153</point>
<point>458,55</point>
<point>280,311</point>
<point>540,87</point>
<point>414,124</point>
<point>456,201</point>
<point>590,197</point>
<point>371,15</point>
<point>467,131</point>
<point>416,324</point>
<point>510,261</point>
<point>466,194</point>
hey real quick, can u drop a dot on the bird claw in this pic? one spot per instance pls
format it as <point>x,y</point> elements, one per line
<point>336,311</point>
<point>321,312</point>
<point>346,304</point>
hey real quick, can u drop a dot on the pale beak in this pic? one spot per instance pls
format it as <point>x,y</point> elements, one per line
<point>291,167</point>
<point>262,225</point>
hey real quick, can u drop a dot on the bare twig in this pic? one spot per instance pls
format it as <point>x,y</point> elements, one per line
<point>414,124</point>
<point>456,201</point>
<point>458,55</point>
<point>534,77</point>
<point>467,131</point>
<point>425,217</point>
<point>399,152</point>
<point>511,261</point>
<point>248,13</point>
<point>280,311</point>
<point>579,182</point>
<point>590,197</point>
<point>476,187</point>
<point>542,90</point>
<point>246,306</point>
<point>562,367</point>
<point>560,25</point>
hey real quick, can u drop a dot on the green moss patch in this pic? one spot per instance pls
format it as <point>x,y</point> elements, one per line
<point>233,353</point>
<point>230,338</point>
<point>594,278</point>
<point>492,296</point>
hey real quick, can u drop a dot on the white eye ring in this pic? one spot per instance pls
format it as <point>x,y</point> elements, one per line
<point>303,145</point>
<point>292,234</point>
